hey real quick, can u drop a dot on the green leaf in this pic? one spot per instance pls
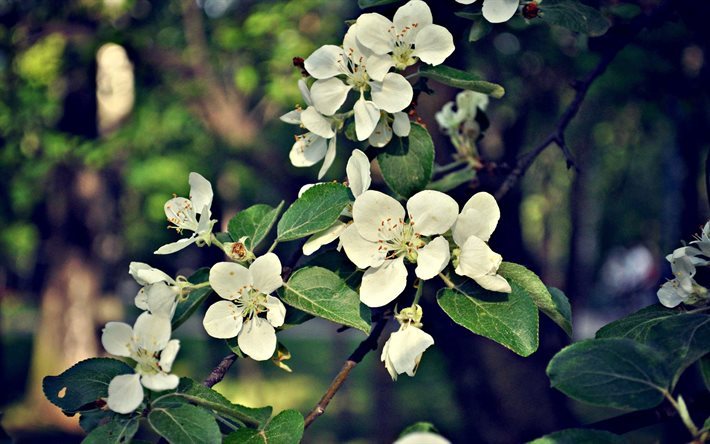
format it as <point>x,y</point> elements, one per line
<point>637,325</point>
<point>255,223</point>
<point>285,428</point>
<point>453,180</point>
<point>557,309</point>
<point>615,372</point>
<point>561,304</point>
<point>185,424</point>
<point>407,162</point>
<point>186,307</point>
<point>90,419</point>
<point>479,29</point>
<point>705,370</point>
<point>339,264</point>
<point>314,211</point>
<point>118,431</point>
<point>364,4</point>
<point>83,384</point>
<point>461,79</point>
<point>575,16</point>
<point>580,436</point>
<point>684,339</point>
<point>509,319</point>
<point>324,294</point>
<point>421,426</point>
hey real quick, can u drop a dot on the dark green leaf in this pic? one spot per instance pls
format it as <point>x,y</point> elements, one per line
<point>118,431</point>
<point>185,424</point>
<point>575,16</point>
<point>615,372</point>
<point>531,283</point>
<point>363,4</point>
<point>705,370</point>
<point>461,79</point>
<point>407,162</point>
<point>90,419</point>
<point>509,319</point>
<point>580,436</point>
<point>186,307</point>
<point>324,294</point>
<point>453,180</point>
<point>561,304</point>
<point>479,29</point>
<point>314,211</point>
<point>255,223</point>
<point>285,428</point>
<point>419,427</point>
<point>84,383</point>
<point>636,325</point>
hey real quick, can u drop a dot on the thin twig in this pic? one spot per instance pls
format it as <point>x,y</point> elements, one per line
<point>363,349</point>
<point>220,371</point>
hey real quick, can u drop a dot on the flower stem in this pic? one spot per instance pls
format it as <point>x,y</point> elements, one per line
<point>215,241</point>
<point>449,283</point>
<point>682,410</point>
<point>419,285</point>
<point>273,246</point>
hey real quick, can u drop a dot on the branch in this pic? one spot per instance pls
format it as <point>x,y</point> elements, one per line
<point>220,371</point>
<point>623,35</point>
<point>363,349</point>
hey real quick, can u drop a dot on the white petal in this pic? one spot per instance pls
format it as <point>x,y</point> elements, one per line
<point>293,117</point>
<point>125,393</point>
<point>141,300</point>
<point>432,212</point>
<point>425,437</point>
<point>308,150</point>
<point>401,124</point>
<point>152,332</point>
<point>323,237</point>
<point>384,357</point>
<point>393,94</point>
<point>358,172</point>
<point>275,311</point>
<point>359,250</point>
<point>167,356</point>
<point>381,285</point>
<point>406,348</point>
<point>144,274</point>
<point>488,212</point>
<point>325,62</point>
<point>466,2</point>
<point>432,258</point>
<point>366,117</point>
<point>328,158</point>
<point>329,95</point>
<point>382,134</point>
<point>374,31</point>
<point>228,279</point>
<point>305,93</point>
<point>352,47</point>
<point>117,338</point>
<point>414,14</point>
<point>375,215</point>
<point>378,66</point>
<point>499,11</point>
<point>257,339</point>
<point>160,382</point>
<point>494,282</point>
<point>266,273</point>
<point>670,295</point>
<point>477,259</point>
<point>434,44</point>
<point>175,246</point>
<point>223,320</point>
<point>200,192</point>
<point>161,299</point>
<point>316,123</point>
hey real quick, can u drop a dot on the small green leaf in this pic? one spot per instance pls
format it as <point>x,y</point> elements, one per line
<point>557,309</point>
<point>285,428</point>
<point>421,426</point>
<point>84,383</point>
<point>407,162</point>
<point>324,294</point>
<point>364,4</point>
<point>185,424</point>
<point>453,180</point>
<point>509,319</point>
<point>636,325</point>
<point>255,223</point>
<point>118,431</point>
<point>461,79</point>
<point>575,16</point>
<point>186,307</point>
<point>615,372</point>
<point>479,29</point>
<point>314,211</point>
<point>580,436</point>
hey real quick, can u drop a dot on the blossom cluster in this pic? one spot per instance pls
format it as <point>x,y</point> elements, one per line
<point>685,261</point>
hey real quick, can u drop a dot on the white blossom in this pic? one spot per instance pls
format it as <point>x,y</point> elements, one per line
<point>380,239</point>
<point>148,343</point>
<point>471,232</point>
<point>159,292</point>
<point>409,37</point>
<point>246,294</point>
<point>683,288</point>
<point>184,213</point>
<point>403,350</point>
<point>496,11</point>
<point>422,438</point>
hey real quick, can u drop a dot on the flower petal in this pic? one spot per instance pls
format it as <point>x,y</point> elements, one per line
<point>361,251</point>
<point>293,117</point>
<point>305,92</point>
<point>152,332</point>
<point>366,118</point>
<point>433,44</point>
<point>375,32</point>
<point>266,273</point>
<point>200,192</point>
<point>414,15</point>
<point>378,65</point>
<point>175,246</point>
<point>167,356</point>
<point>432,258</point>
<point>499,11</point>
<point>317,123</point>
<point>381,285</point>
<point>477,259</point>
<point>275,311</point>
<point>161,299</point>
<point>358,172</point>
<point>670,295</point>
<point>117,338</point>
<point>393,94</point>
<point>432,212</point>
<point>493,282</point>
<point>406,348</point>
<point>425,437</point>
<point>223,320</point>
<point>228,279</point>
<point>325,62</point>
<point>257,339</point>
<point>141,300</point>
<point>329,95</point>
<point>160,382</point>
<point>125,393</point>
<point>375,214</point>
<point>328,158</point>
<point>382,134</point>
<point>401,124</point>
<point>323,237</point>
<point>487,214</point>
<point>144,274</point>
<point>308,150</point>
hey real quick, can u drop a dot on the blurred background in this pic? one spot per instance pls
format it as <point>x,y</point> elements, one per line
<point>107,105</point>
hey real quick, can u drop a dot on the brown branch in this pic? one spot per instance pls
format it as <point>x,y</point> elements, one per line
<point>363,349</point>
<point>220,371</point>
<point>614,42</point>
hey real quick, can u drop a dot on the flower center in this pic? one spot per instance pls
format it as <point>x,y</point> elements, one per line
<point>402,55</point>
<point>146,362</point>
<point>398,238</point>
<point>182,215</point>
<point>252,302</point>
